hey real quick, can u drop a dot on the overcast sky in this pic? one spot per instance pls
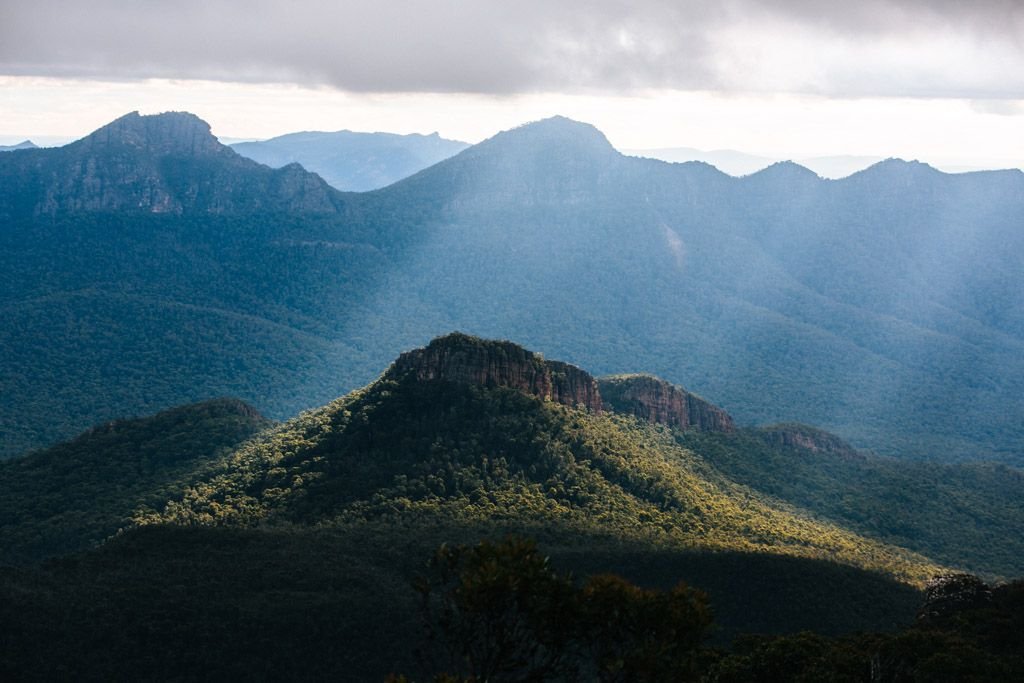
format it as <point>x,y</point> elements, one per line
<point>919,78</point>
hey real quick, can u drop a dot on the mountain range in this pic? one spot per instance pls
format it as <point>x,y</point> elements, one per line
<point>230,546</point>
<point>737,163</point>
<point>837,166</point>
<point>352,161</point>
<point>147,266</point>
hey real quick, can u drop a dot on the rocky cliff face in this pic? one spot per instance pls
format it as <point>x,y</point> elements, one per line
<point>171,133</point>
<point>165,164</point>
<point>656,400</point>
<point>462,358</point>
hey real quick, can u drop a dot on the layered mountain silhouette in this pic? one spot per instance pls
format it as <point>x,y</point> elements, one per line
<point>353,161</point>
<point>147,266</point>
<point>26,144</point>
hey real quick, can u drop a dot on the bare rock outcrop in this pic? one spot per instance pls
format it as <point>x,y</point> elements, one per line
<point>656,400</point>
<point>462,358</point>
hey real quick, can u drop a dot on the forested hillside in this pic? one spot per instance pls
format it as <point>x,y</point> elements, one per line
<point>964,515</point>
<point>882,306</point>
<point>76,494</point>
<point>303,552</point>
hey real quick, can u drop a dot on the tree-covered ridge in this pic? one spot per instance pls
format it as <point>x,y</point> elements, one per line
<point>963,515</point>
<point>889,316</point>
<point>412,449</point>
<point>76,494</point>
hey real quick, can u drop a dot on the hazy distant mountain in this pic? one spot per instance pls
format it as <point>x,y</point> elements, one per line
<point>835,166</point>
<point>27,144</point>
<point>353,161</point>
<point>740,163</point>
<point>148,266</point>
<point>726,160</point>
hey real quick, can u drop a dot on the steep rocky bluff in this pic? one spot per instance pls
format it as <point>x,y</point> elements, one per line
<point>656,400</point>
<point>462,358</point>
<point>166,163</point>
<point>171,133</point>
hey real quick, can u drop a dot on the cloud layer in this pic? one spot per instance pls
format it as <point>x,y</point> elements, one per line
<point>927,48</point>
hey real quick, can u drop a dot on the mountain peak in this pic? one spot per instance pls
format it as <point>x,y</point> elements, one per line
<point>894,167</point>
<point>786,170</point>
<point>24,144</point>
<point>466,359</point>
<point>169,133</point>
<point>559,130</point>
<point>166,163</point>
<point>554,161</point>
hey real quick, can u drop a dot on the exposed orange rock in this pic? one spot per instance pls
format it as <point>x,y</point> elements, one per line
<point>656,400</point>
<point>462,358</point>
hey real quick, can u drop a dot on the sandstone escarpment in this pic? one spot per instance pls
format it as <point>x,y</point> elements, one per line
<point>656,400</point>
<point>463,358</point>
<point>800,436</point>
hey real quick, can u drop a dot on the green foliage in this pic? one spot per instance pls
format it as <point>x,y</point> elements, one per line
<point>406,449</point>
<point>172,602</point>
<point>800,658</point>
<point>964,515</point>
<point>892,318</point>
<point>637,634</point>
<point>978,642</point>
<point>75,494</point>
<point>499,612</point>
<point>180,312</point>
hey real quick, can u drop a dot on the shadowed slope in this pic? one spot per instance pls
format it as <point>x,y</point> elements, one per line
<point>76,494</point>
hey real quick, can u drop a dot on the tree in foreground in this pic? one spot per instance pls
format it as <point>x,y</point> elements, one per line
<point>499,612</point>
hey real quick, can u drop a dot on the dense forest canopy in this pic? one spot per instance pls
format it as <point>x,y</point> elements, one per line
<point>882,306</point>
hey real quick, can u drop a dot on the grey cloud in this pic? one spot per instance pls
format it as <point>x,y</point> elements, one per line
<point>483,46</point>
<point>992,19</point>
